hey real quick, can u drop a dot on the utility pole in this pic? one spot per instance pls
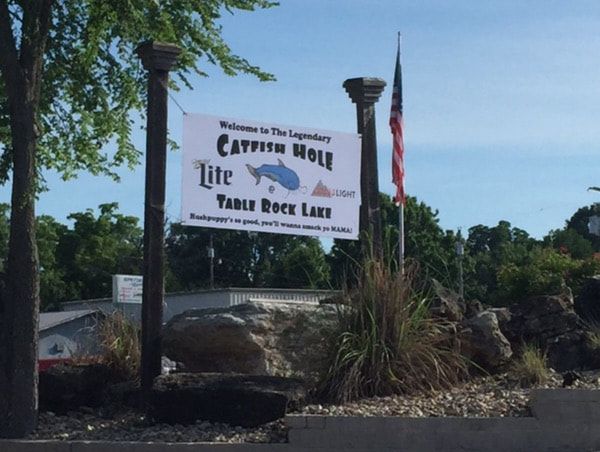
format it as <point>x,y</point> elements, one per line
<point>157,58</point>
<point>460,252</point>
<point>364,92</point>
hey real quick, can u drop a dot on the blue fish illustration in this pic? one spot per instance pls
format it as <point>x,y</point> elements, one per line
<point>277,173</point>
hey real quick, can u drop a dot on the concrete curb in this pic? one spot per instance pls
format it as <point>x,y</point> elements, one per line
<point>564,420</point>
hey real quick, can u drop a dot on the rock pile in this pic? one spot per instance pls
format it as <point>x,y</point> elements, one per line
<point>551,323</point>
<point>489,336</point>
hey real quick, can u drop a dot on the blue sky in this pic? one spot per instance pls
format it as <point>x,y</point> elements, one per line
<point>501,101</point>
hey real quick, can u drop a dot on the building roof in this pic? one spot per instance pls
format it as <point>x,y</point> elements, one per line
<point>174,295</point>
<point>51,319</point>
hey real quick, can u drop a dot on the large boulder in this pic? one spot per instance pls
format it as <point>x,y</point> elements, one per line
<point>587,303</point>
<point>244,400</point>
<point>260,338</point>
<point>551,323</point>
<point>483,342</point>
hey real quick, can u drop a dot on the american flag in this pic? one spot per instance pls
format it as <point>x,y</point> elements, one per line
<point>397,126</point>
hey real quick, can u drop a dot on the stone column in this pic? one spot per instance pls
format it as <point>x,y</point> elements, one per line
<point>364,92</point>
<point>157,58</point>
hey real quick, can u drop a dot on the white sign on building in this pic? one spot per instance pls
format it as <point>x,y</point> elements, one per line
<point>246,175</point>
<point>127,288</point>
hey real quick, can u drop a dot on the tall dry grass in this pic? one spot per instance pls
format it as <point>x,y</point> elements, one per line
<point>388,342</point>
<point>120,343</point>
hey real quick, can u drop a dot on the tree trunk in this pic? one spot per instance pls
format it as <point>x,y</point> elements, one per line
<point>22,71</point>
<point>19,305</point>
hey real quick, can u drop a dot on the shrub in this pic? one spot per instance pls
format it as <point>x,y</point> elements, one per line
<point>120,344</point>
<point>547,272</point>
<point>593,333</point>
<point>531,367</point>
<point>388,342</point>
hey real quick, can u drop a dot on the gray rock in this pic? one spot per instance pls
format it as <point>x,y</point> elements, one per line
<point>587,303</point>
<point>551,323</point>
<point>483,342</point>
<point>446,303</point>
<point>260,338</point>
<point>63,388</point>
<point>541,318</point>
<point>244,400</point>
<point>473,307</point>
<point>502,314</point>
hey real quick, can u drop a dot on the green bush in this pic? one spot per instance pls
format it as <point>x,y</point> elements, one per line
<point>388,342</point>
<point>547,272</point>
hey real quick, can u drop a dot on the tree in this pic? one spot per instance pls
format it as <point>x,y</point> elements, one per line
<point>303,266</point>
<point>570,241</point>
<point>53,286</point>
<point>425,242</point>
<point>69,82</point>
<point>97,248</point>
<point>579,223</point>
<point>188,261</point>
<point>244,259</point>
<point>488,250</point>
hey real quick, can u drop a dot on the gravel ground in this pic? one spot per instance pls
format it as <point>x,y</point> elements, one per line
<point>131,426</point>
<point>498,395</point>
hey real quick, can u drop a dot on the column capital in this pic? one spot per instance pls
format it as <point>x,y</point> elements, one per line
<point>364,89</point>
<point>158,55</point>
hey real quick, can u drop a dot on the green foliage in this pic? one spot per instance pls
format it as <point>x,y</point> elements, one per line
<point>187,256</point>
<point>388,343</point>
<point>303,267</point>
<point>244,259</point>
<point>531,367</point>
<point>569,241</point>
<point>593,331</point>
<point>4,231</point>
<point>579,223</point>
<point>425,242</point>
<point>98,247</point>
<point>78,262</point>
<point>544,273</point>
<point>93,82</point>
<point>502,264</point>
<point>53,285</point>
<point>488,249</point>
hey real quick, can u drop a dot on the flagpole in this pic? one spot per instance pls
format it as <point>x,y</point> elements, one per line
<point>401,206</point>
<point>401,237</point>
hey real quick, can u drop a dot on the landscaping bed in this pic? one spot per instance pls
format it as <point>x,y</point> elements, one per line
<point>492,396</point>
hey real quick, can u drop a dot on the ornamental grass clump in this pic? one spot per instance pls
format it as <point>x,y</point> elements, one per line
<point>531,368</point>
<point>388,342</point>
<point>119,339</point>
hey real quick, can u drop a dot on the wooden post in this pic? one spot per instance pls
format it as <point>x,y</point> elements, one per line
<point>158,59</point>
<point>364,92</point>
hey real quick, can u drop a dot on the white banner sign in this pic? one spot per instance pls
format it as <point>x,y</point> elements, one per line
<point>240,174</point>
<point>127,288</point>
